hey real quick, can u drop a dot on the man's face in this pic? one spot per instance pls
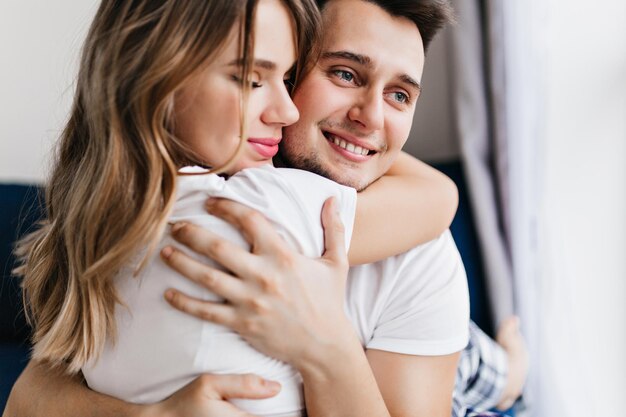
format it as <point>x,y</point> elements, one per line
<point>356,106</point>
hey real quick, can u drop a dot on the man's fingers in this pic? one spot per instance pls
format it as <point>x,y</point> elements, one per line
<point>334,232</point>
<point>232,257</point>
<point>254,227</point>
<point>248,386</point>
<point>216,281</point>
<point>218,313</point>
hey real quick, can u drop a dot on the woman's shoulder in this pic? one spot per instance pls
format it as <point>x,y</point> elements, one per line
<point>195,178</point>
<point>291,177</point>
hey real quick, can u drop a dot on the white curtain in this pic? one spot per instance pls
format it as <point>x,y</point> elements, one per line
<point>497,83</point>
<point>523,35</point>
<point>477,87</point>
<point>539,93</point>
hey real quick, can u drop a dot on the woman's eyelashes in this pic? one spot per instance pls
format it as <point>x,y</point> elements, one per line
<point>253,82</point>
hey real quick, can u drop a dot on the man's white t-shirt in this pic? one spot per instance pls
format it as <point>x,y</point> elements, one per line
<point>415,303</point>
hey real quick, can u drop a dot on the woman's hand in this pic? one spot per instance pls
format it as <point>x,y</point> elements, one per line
<point>284,304</point>
<point>208,395</point>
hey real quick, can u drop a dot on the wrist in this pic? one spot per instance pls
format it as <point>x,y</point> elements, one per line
<point>147,410</point>
<point>321,358</point>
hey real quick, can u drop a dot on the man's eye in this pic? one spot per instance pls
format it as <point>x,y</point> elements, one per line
<point>400,97</point>
<point>344,75</point>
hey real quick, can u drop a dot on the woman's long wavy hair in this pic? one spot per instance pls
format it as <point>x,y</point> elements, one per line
<point>114,177</point>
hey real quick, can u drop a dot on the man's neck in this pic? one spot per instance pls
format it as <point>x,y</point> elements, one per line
<point>279,162</point>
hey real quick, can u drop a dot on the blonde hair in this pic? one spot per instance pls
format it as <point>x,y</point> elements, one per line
<point>114,178</point>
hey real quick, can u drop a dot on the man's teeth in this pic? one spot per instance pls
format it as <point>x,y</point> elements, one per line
<point>350,147</point>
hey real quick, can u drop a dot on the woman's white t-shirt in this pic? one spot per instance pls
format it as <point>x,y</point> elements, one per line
<point>158,349</point>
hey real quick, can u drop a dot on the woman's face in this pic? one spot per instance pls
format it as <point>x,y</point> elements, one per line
<point>207,110</point>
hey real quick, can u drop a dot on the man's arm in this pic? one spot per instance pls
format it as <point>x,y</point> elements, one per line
<point>284,304</point>
<point>291,307</point>
<point>415,385</point>
<point>44,392</point>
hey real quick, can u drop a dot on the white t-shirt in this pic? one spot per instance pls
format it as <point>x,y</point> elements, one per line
<point>415,303</point>
<point>158,349</point>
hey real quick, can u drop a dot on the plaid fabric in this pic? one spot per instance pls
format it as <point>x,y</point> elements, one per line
<point>481,376</point>
<point>484,414</point>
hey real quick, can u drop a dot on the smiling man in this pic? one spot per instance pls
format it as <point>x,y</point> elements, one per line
<point>369,82</point>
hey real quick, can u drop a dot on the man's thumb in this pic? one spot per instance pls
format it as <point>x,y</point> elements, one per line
<point>334,232</point>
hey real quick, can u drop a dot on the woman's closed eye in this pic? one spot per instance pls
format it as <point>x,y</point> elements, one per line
<point>252,82</point>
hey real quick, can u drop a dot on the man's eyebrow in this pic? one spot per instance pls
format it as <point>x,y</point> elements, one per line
<point>351,56</point>
<point>411,81</point>
<point>261,63</point>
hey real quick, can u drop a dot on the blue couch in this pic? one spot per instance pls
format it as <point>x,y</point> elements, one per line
<point>21,206</point>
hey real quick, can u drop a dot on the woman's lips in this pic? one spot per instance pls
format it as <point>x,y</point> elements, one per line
<point>266,147</point>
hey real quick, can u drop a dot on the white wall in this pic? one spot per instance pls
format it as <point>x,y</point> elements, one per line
<point>39,44</point>
<point>433,136</point>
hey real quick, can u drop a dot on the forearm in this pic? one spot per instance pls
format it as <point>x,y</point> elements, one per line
<point>40,391</point>
<point>339,382</point>
<point>410,205</point>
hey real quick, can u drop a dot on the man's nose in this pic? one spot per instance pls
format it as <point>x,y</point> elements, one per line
<point>368,110</point>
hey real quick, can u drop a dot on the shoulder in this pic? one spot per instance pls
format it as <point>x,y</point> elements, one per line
<point>193,186</point>
<point>287,177</point>
<point>288,186</point>
<point>418,300</point>
<point>439,257</point>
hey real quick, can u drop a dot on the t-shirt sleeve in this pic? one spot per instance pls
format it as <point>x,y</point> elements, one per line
<point>427,312</point>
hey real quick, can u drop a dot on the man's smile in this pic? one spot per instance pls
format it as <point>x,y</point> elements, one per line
<point>350,147</point>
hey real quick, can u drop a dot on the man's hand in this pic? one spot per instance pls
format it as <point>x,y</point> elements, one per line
<point>208,395</point>
<point>284,304</point>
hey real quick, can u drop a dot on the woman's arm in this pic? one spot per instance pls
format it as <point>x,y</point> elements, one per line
<point>411,204</point>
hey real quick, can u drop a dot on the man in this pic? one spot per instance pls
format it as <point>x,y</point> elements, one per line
<point>369,81</point>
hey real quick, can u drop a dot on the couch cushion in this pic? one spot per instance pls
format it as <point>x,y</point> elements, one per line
<point>21,206</point>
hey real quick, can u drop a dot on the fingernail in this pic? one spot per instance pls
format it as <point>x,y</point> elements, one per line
<point>167,251</point>
<point>271,385</point>
<point>177,226</point>
<point>169,295</point>
<point>209,202</point>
